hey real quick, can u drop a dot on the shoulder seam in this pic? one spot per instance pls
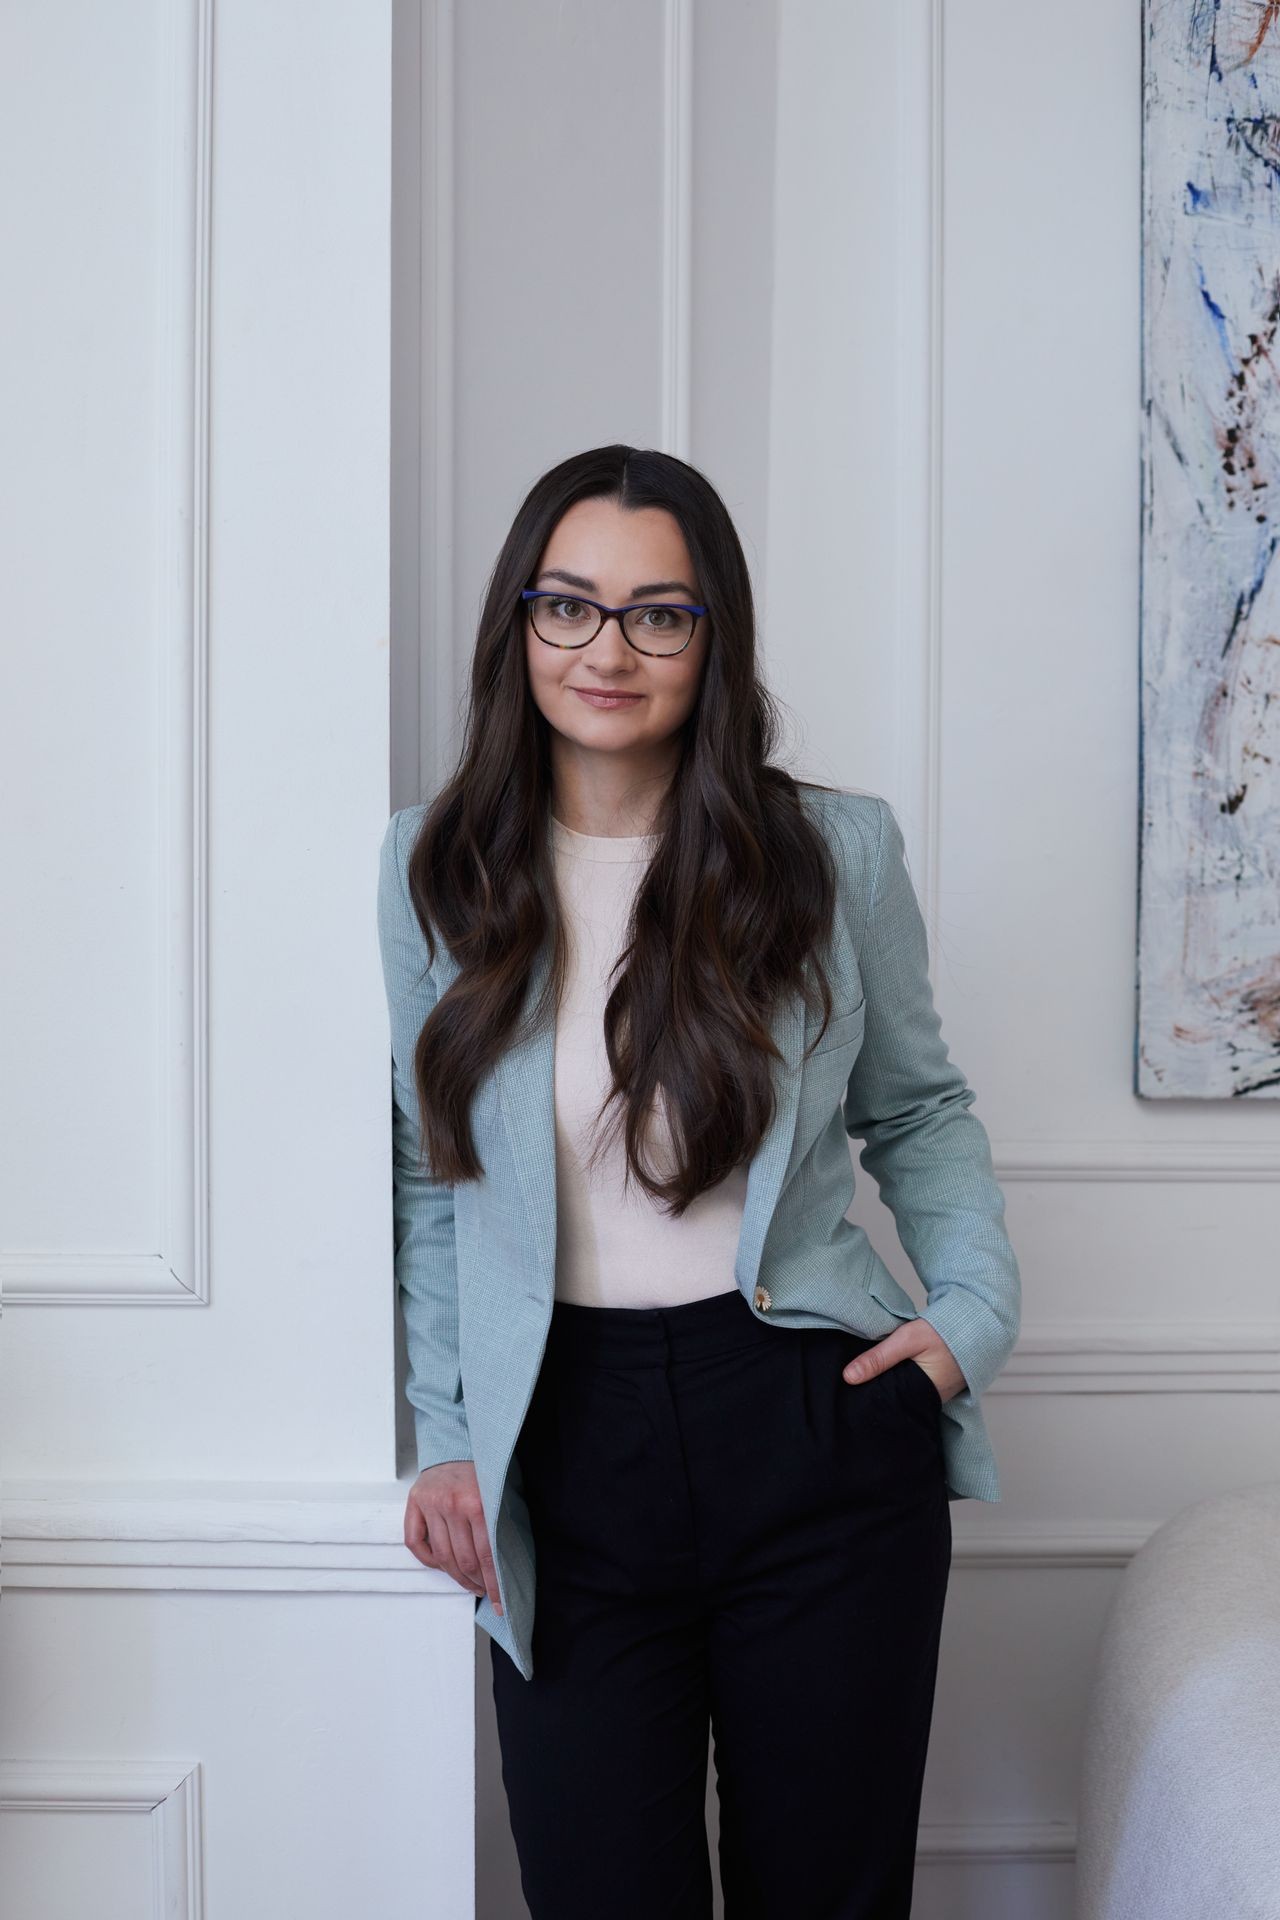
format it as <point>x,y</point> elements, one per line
<point>883,807</point>
<point>400,873</point>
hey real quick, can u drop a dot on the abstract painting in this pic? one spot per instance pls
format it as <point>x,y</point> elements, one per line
<point>1208,975</point>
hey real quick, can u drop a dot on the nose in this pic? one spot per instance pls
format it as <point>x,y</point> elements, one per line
<point>620,650</point>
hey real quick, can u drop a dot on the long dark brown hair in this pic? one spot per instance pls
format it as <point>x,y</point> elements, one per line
<point>734,907</point>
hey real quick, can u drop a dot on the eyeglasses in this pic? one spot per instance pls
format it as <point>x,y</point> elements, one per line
<point>568,621</point>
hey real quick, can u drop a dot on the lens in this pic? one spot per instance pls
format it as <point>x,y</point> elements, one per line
<point>659,629</point>
<point>563,621</point>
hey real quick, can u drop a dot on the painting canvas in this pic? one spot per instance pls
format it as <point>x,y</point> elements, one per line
<point>1208,974</point>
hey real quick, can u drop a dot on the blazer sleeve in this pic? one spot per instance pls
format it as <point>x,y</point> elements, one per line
<point>930,1156</point>
<point>426,1260</point>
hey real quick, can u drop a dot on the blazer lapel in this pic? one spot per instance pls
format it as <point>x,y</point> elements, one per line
<point>525,1073</point>
<point>526,1082</point>
<point>770,1161</point>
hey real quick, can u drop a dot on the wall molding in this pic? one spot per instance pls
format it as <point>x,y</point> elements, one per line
<point>169,1794</point>
<point>969,1843</point>
<point>99,1280</point>
<point>918,367</point>
<point>1135,1162</point>
<point>677,227</point>
<point>166,1793</point>
<point>439,632</point>
<point>229,1537</point>
<point>212,1537</point>
<point>176,1271</point>
<point>1141,1355</point>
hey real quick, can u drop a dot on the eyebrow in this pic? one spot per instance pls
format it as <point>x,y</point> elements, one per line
<point>589,586</point>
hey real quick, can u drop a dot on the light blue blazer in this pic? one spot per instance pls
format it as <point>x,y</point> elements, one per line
<point>475,1265</point>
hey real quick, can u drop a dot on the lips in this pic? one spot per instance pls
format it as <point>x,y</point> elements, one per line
<point>607,700</point>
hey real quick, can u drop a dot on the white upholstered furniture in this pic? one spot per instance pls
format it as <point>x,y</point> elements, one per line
<point>1179,1810</point>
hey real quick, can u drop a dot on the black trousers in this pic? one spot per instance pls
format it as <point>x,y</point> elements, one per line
<point>728,1537</point>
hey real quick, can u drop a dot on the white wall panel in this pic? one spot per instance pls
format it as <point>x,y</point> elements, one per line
<point>203,566</point>
<point>223,1686</point>
<point>257,1755</point>
<point>104,1149</point>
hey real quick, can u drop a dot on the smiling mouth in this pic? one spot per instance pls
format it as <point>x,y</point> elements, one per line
<point>602,699</point>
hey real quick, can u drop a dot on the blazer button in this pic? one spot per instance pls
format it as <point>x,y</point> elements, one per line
<point>763,1302</point>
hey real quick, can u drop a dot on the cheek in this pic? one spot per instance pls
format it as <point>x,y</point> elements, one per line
<point>674,697</point>
<point>546,668</point>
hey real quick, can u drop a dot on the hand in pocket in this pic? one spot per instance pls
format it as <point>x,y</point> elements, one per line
<point>915,1344</point>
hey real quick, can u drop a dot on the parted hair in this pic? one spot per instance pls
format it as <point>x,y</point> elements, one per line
<point>735,906</point>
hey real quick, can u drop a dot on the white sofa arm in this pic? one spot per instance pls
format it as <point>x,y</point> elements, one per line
<point>1179,1802</point>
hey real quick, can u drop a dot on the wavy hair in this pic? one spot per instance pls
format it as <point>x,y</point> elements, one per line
<point>733,909</point>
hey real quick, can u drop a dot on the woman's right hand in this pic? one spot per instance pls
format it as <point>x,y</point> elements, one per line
<point>444,1527</point>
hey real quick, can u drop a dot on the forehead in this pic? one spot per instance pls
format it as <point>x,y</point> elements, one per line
<point>618,549</point>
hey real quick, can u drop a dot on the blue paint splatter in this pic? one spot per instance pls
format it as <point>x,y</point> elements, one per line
<point>1199,198</point>
<point>1219,317</point>
<point>1245,600</point>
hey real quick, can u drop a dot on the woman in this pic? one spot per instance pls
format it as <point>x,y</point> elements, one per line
<point>644,987</point>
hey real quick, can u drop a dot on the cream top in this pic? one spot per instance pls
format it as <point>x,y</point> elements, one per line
<point>616,1247</point>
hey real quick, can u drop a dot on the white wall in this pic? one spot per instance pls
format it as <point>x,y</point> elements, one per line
<point>225,1683</point>
<point>881,278</point>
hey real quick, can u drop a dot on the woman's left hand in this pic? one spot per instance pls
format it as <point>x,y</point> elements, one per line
<point>914,1343</point>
